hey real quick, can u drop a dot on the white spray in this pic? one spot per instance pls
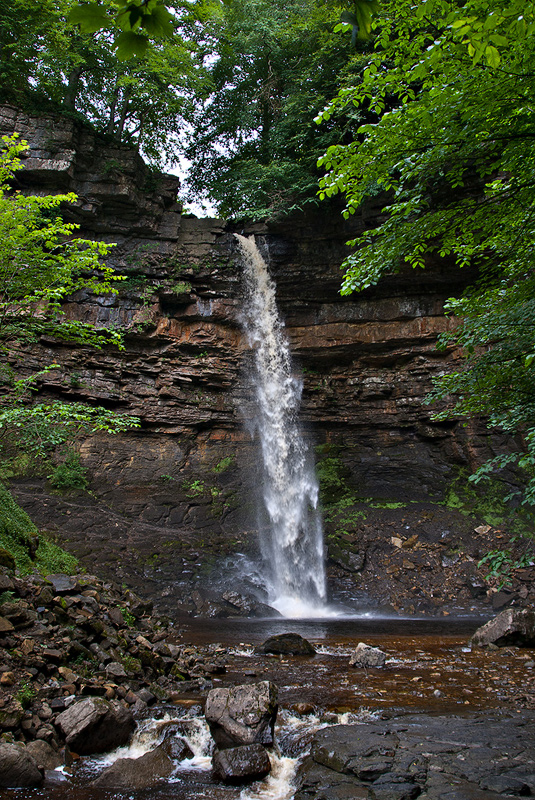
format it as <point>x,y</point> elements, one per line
<point>292,541</point>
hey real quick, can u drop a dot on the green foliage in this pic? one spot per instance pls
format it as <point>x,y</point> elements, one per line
<point>224,464</point>
<point>51,558</point>
<point>16,530</point>
<point>272,66</point>
<point>132,665</point>
<point>135,23</point>
<point>501,563</point>
<point>181,287</point>
<point>70,474</point>
<point>41,428</point>
<point>42,262</point>
<point>129,618</point>
<point>193,488</point>
<point>26,694</point>
<point>450,149</point>
<point>57,55</point>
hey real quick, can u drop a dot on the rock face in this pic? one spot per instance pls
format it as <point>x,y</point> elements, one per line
<point>188,477</point>
<point>95,725</point>
<point>240,764</point>
<point>513,626</point>
<point>439,758</point>
<point>287,644</point>
<point>242,715</point>
<point>366,656</point>
<point>18,768</point>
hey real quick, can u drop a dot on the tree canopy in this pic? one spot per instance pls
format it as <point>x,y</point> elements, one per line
<point>271,67</point>
<point>451,149</point>
<point>50,61</point>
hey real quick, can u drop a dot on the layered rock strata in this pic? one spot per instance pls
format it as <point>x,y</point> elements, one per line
<point>181,489</point>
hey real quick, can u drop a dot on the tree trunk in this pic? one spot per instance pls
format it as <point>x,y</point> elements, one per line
<point>124,112</point>
<point>71,92</point>
<point>113,107</point>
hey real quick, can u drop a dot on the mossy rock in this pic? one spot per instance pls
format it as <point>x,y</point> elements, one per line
<point>6,559</point>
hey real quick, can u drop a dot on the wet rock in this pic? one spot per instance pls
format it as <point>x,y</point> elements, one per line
<point>240,764</point>
<point>95,725</point>
<point>263,611</point>
<point>367,656</point>
<point>18,768</point>
<point>242,714</point>
<point>137,773</point>
<point>242,603</point>
<point>63,584</point>
<point>512,626</point>
<point>287,644</point>
<point>44,754</point>
<point>11,714</point>
<point>177,749</point>
<point>348,560</point>
<point>440,758</point>
<point>503,598</point>
<point>5,625</point>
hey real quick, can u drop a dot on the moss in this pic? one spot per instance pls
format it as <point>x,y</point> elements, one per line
<point>18,537</point>
<point>224,464</point>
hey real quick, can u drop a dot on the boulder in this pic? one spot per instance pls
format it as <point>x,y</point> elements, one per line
<point>367,656</point>
<point>44,754</point>
<point>263,611</point>
<point>239,764</point>
<point>95,725</point>
<point>137,773</point>
<point>242,714</point>
<point>18,768</point>
<point>63,584</point>
<point>513,626</point>
<point>287,644</point>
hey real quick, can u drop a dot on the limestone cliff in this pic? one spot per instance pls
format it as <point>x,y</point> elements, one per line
<point>184,480</point>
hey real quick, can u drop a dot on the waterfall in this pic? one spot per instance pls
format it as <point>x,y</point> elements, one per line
<point>292,535</point>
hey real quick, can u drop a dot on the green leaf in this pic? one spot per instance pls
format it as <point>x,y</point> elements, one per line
<point>493,56</point>
<point>159,23</point>
<point>130,44</point>
<point>90,17</point>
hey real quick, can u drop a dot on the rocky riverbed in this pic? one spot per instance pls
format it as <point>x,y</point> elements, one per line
<point>83,663</point>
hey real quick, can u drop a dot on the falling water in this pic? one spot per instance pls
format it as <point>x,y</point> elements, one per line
<point>292,539</point>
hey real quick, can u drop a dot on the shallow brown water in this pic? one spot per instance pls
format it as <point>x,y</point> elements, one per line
<point>429,667</point>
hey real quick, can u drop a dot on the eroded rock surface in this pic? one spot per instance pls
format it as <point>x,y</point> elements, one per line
<point>439,758</point>
<point>18,768</point>
<point>95,725</point>
<point>240,764</point>
<point>514,626</point>
<point>367,656</point>
<point>242,715</point>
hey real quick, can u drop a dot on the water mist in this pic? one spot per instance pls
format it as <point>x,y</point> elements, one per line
<point>292,536</point>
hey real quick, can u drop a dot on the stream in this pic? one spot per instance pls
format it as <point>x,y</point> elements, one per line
<point>430,668</point>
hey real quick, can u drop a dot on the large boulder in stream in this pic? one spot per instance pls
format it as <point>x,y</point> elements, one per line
<point>240,764</point>
<point>95,725</point>
<point>18,768</point>
<point>242,714</point>
<point>287,644</point>
<point>366,656</point>
<point>514,626</point>
<point>136,774</point>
